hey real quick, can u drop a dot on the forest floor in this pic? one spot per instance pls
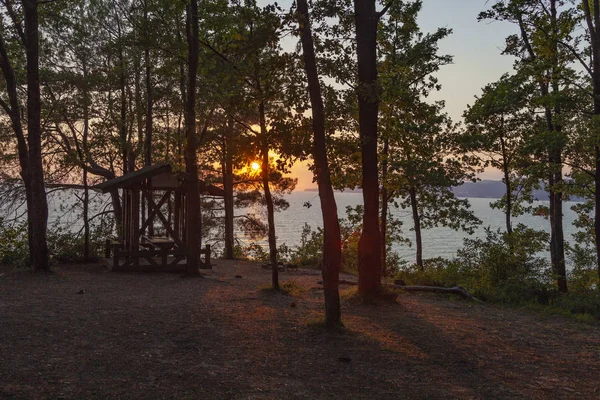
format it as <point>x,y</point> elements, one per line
<point>83,332</point>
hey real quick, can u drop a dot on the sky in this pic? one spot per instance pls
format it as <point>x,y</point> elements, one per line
<point>476,47</point>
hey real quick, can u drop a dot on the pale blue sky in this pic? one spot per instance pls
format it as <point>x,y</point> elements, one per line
<point>476,47</point>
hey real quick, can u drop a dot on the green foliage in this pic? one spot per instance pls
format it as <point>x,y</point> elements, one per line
<point>500,267</point>
<point>507,269</point>
<point>13,244</point>
<point>291,288</point>
<point>435,272</point>
<point>310,251</point>
<point>584,305</point>
<point>67,247</point>
<point>64,246</point>
<point>584,273</point>
<point>252,251</point>
<point>504,261</point>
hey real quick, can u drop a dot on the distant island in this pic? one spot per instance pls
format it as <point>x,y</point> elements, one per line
<point>486,189</point>
<point>338,191</point>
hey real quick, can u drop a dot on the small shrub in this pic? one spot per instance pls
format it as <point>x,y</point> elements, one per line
<point>13,244</point>
<point>435,272</point>
<point>579,303</point>
<point>290,288</point>
<point>503,264</point>
<point>253,251</point>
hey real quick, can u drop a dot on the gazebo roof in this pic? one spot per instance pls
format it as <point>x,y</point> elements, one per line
<point>133,178</point>
<point>162,177</point>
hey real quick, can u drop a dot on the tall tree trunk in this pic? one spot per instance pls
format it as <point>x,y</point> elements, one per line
<point>593,23</point>
<point>557,241</point>
<point>369,245</point>
<point>82,156</point>
<point>139,116</point>
<point>268,196</point>
<point>191,164</point>
<point>596,88</point>
<point>414,205</point>
<point>183,91</point>
<point>38,213</point>
<point>228,188</point>
<point>384,204</point>
<point>507,184</point>
<point>13,110</point>
<point>332,250</point>
<point>149,98</point>
<point>86,217</point>
<point>117,211</point>
<point>597,206</point>
<point>557,252</point>
<point>123,119</point>
<point>149,102</point>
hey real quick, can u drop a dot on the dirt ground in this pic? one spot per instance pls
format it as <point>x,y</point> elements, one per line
<point>83,332</point>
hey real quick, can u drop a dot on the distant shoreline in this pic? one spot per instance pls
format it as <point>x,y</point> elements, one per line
<point>485,189</point>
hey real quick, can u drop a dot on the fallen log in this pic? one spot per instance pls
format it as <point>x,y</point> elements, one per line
<point>458,290</point>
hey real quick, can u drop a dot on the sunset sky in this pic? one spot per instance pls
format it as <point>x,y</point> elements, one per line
<point>476,48</point>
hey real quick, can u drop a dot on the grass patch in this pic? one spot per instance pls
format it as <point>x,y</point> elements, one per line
<point>316,322</point>
<point>289,288</point>
<point>553,310</point>
<point>386,295</point>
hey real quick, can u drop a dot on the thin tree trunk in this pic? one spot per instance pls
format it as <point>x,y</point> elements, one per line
<point>593,22</point>
<point>86,219</point>
<point>149,98</point>
<point>596,82</point>
<point>268,197</point>
<point>507,184</point>
<point>123,120</point>
<point>82,156</point>
<point>228,188</point>
<point>191,165</point>
<point>332,251</point>
<point>557,241</point>
<point>13,110</point>
<point>149,103</point>
<point>384,204</point>
<point>557,252</point>
<point>417,224</point>
<point>38,213</point>
<point>182,90</point>
<point>369,245</point>
<point>117,211</point>
<point>140,129</point>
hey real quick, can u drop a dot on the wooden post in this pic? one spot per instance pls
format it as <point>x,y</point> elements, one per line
<point>135,224</point>
<point>176,215</point>
<point>123,236</point>
<point>107,248</point>
<point>115,257</point>
<point>207,258</point>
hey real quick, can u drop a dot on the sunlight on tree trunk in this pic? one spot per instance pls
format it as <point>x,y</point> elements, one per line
<point>332,250</point>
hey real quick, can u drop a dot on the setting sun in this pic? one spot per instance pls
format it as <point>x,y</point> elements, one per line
<point>255,166</point>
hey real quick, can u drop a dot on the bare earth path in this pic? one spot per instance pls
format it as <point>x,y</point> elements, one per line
<point>164,336</point>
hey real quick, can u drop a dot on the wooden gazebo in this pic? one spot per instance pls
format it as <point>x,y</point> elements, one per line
<point>142,245</point>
